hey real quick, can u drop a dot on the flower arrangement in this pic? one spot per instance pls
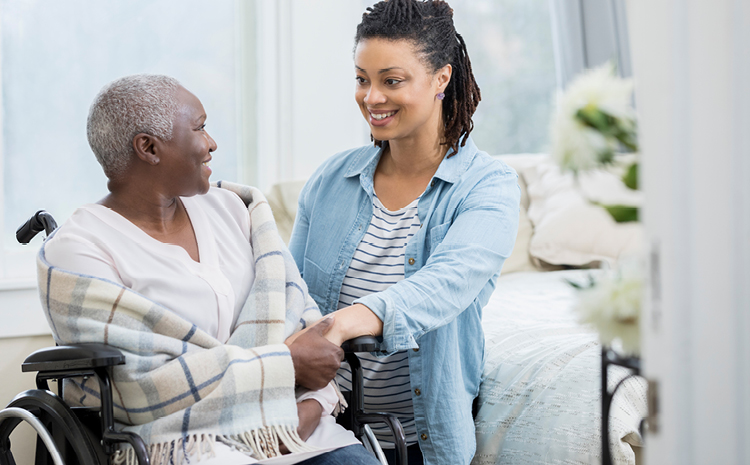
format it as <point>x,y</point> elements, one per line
<point>596,120</point>
<point>612,304</point>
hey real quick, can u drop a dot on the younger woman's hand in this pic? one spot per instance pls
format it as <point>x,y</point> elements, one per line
<point>354,321</point>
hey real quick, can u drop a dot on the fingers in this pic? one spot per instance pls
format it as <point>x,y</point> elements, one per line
<point>341,354</point>
<point>325,325</point>
<point>315,359</point>
<point>309,412</point>
<point>295,336</point>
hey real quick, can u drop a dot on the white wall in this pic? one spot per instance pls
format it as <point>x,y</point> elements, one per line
<point>692,66</point>
<point>306,110</point>
<point>15,351</point>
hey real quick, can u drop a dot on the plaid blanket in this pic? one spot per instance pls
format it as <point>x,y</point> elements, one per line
<point>180,389</point>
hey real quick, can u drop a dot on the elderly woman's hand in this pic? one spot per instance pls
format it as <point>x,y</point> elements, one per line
<point>309,412</point>
<point>315,359</point>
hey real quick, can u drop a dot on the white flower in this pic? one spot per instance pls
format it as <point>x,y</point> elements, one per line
<point>613,306</point>
<point>577,146</point>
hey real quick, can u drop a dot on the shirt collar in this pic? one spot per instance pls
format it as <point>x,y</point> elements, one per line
<point>365,161</point>
<point>450,169</point>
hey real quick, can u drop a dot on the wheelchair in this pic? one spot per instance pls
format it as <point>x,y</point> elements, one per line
<point>88,436</point>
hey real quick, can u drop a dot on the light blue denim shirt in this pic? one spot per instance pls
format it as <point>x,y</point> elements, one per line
<point>469,217</point>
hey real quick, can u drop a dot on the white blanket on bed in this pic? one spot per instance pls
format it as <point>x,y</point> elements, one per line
<point>540,401</point>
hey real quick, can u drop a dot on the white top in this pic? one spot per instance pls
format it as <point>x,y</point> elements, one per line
<point>378,263</point>
<point>97,241</point>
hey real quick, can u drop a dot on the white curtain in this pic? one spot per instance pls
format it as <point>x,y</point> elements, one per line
<point>588,33</point>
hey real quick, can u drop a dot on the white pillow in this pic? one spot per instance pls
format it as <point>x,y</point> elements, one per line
<point>568,228</point>
<point>520,260</point>
<point>283,201</point>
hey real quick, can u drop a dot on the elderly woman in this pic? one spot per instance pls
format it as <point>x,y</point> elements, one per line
<point>198,293</point>
<point>405,238</point>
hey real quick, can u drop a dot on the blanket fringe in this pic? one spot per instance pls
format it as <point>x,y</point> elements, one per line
<point>261,444</point>
<point>341,406</point>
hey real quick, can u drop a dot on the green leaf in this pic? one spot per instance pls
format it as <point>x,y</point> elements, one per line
<point>622,213</point>
<point>575,284</point>
<point>630,178</point>
<point>593,117</point>
<point>580,287</point>
<point>606,157</point>
<point>627,137</point>
<point>622,131</point>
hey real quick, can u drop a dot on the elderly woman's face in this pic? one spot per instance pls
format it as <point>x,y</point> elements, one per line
<point>188,154</point>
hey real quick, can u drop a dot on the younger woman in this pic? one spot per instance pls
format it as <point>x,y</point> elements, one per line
<point>405,238</point>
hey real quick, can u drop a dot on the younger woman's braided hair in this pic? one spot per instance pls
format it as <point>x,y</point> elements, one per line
<point>429,26</point>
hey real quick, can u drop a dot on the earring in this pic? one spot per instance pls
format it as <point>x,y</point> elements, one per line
<point>440,96</point>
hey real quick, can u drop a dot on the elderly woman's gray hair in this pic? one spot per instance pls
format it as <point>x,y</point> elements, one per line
<point>142,103</point>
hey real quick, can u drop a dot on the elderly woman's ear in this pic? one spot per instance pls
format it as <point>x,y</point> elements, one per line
<point>145,148</point>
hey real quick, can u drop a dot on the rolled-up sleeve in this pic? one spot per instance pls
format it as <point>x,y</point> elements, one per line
<point>465,254</point>
<point>326,397</point>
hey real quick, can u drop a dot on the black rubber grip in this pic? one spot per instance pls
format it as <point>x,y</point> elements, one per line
<point>40,221</point>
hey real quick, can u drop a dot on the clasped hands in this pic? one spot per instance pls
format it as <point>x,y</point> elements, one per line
<point>316,354</point>
<point>316,351</point>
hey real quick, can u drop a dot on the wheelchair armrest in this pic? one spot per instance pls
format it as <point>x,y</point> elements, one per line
<point>73,357</point>
<point>361,344</point>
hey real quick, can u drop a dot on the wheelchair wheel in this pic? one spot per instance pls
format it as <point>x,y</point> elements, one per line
<point>372,445</point>
<point>41,431</point>
<point>70,438</point>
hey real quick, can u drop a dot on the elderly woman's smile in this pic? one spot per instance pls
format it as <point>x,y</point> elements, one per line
<point>186,156</point>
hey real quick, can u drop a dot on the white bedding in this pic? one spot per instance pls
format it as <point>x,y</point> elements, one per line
<point>540,401</point>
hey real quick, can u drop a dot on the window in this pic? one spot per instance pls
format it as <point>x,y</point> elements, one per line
<point>512,55</point>
<point>54,58</point>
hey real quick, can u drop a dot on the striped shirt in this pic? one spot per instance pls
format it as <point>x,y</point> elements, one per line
<point>377,264</point>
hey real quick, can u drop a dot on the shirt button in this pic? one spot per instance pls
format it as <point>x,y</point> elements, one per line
<point>432,184</point>
<point>423,436</point>
<point>416,350</point>
<point>411,261</point>
<point>418,392</point>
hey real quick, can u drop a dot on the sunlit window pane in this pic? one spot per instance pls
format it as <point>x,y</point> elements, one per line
<point>510,46</point>
<point>55,58</point>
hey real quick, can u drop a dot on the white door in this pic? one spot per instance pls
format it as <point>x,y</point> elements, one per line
<point>691,62</point>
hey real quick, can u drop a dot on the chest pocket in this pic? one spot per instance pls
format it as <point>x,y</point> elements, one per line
<point>317,282</point>
<point>436,235</point>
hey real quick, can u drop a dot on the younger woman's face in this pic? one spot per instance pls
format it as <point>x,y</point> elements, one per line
<point>395,91</point>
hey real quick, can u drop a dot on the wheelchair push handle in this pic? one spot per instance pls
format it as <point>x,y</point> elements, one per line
<point>360,344</point>
<point>40,221</point>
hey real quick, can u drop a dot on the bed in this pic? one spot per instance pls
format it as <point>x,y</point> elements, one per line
<point>540,398</point>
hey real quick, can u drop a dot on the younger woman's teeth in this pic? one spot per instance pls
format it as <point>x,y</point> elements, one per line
<point>379,116</point>
<point>206,163</point>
